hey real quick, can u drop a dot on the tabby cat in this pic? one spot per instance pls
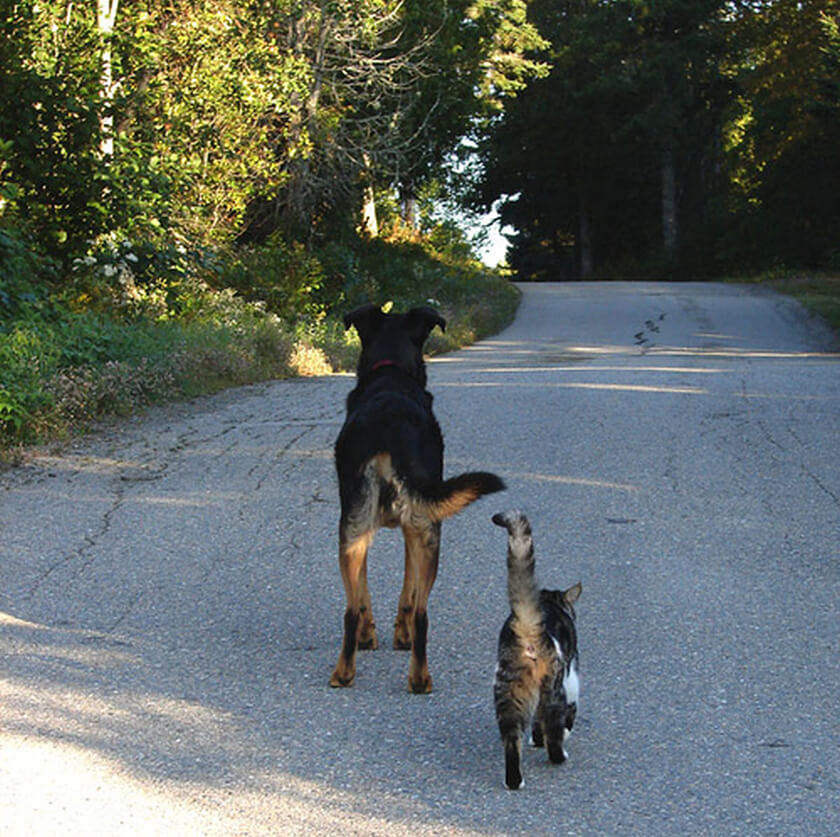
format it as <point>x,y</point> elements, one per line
<point>537,672</point>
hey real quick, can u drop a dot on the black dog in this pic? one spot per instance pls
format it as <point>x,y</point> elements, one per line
<point>389,457</point>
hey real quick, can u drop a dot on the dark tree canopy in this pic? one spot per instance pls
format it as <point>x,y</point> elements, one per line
<point>673,136</point>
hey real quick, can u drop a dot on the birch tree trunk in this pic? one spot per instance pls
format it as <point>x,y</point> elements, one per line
<point>106,16</point>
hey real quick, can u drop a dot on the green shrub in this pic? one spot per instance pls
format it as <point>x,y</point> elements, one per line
<point>26,357</point>
<point>284,276</point>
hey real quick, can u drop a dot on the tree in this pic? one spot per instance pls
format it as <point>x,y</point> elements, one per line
<point>597,156</point>
<point>206,110</point>
<point>566,144</point>
<point>392,88</point>
<point>49,119</point>
<point>782,149</point>
<point>106,16</point>
<point>479,57</point>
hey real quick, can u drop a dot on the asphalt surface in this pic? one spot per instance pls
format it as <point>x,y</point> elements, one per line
<point>171,606</point>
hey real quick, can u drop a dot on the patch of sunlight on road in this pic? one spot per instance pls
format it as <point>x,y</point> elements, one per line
<point>56,788</point>
<point>616,486</point>
<point>53,787</point>
<point>698,370</point>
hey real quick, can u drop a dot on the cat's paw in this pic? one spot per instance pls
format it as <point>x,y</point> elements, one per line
<point>556,752</point>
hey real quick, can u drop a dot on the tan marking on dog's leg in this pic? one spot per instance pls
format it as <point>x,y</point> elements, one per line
<point>351,558</point>
<point>423,549</point>
<point>366,636</point>
<point>405,608</point>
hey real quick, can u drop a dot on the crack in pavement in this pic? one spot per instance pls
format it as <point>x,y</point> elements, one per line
<point>84,551</point>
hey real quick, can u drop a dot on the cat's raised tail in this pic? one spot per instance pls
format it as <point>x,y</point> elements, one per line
<point>523,592</point>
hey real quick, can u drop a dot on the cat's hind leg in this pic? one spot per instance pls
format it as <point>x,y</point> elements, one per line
<point>537,739</point>
<point>512,716</point>
<point>556,732</point>
<point>553,715</point>
<point>512,741</point>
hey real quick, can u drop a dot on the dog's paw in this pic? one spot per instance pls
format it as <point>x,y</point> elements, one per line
<point>341,679</point>
<point>420,686</point>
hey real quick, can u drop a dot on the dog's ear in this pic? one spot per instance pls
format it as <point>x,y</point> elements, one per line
<point>420,322</point>
<point>366,319</point>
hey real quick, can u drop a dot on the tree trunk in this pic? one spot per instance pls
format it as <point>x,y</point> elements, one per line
<point>296,215</point>
<point>584,240</point>
<point>370,226</point>
<point>408,202</point>
<point>670,231</point>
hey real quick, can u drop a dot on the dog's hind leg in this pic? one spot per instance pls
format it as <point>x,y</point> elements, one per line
<point>405,608</point>
<point>422,551</point>
<point>352,557</point>
<point>366,634</point>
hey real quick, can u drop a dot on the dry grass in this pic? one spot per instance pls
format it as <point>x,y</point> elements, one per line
<point>308,361</point>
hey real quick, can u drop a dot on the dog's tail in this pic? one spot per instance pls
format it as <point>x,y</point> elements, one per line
<point>523,592</point>
<point>447,498</point>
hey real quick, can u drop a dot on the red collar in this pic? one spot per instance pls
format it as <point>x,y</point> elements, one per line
<point>380,363</point>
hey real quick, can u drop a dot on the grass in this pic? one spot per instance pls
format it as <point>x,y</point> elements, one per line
<point>818,293</point>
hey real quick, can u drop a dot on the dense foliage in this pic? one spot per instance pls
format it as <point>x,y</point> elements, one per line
<point>182,186</point>
<point>674,137</point>
<point>125,343</point>
<point>208,121</point>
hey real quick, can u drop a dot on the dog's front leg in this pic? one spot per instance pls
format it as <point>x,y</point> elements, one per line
<point>352,558</point>
<point>422,552</point>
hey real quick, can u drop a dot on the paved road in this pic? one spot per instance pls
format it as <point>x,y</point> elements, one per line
<point>170,603</point>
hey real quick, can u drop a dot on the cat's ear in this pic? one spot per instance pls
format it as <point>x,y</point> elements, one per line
<point>572,594</point>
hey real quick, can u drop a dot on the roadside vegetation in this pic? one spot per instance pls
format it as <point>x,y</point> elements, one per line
<point>682,137</point>
<point>125,334</point>
<point>193,193</point>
